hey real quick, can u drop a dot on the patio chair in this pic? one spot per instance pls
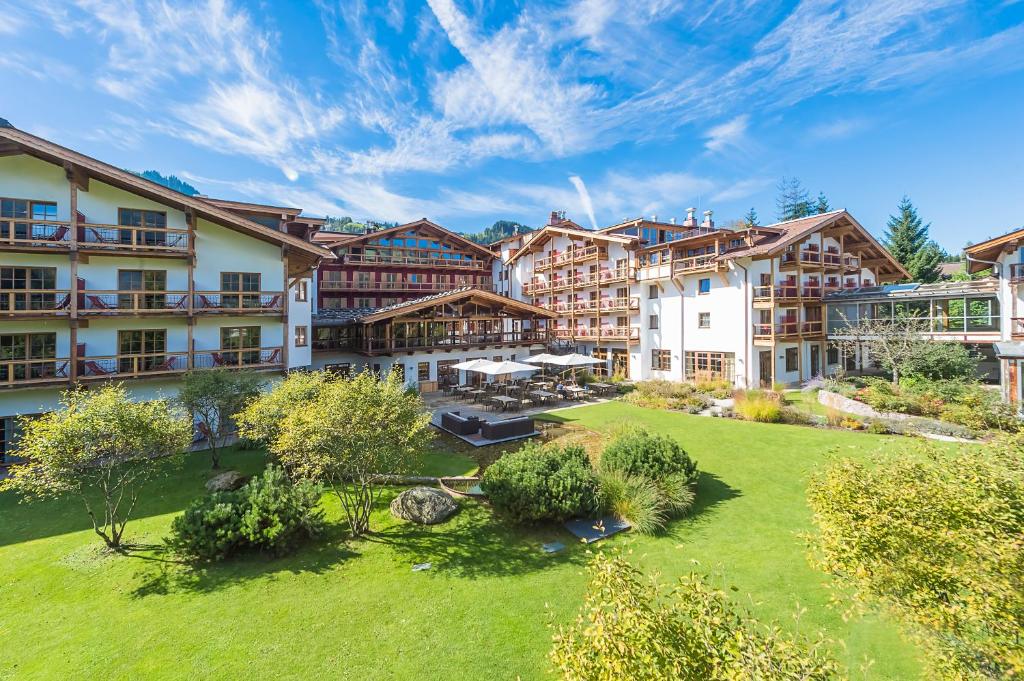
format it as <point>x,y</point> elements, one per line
<point>63,303</point>
<point>274,303</point>
<point>94,369</point>
<point>58,234</point>
<point>97,303</point>
<point>275,357</point>
<point>166,365</point>
<point>218,359</point>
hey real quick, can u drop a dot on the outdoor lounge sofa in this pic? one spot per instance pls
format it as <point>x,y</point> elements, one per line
<point>454,422</point>
<point>513,427</point>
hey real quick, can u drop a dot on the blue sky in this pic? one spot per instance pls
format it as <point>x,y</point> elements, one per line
<point>466,111</point>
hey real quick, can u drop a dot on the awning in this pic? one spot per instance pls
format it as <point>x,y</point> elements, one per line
<point>1009,350</point>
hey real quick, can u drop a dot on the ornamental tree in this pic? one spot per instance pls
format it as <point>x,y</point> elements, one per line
<point>345,434</point>
<point>936,538</point>
<point>103,447</point>
<point>213,396</point>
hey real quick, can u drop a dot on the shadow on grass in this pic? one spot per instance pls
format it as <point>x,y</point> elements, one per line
<point>475,543</point>
<point>163,574</point>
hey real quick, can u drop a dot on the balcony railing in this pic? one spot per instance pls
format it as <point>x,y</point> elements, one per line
<point>787,328</point>
<point>238,358</point>
<point>129,366</point>
<point>626,333</point>
<point>35,233</point>
<point>763,292</point>
<point>804,257</point>
<point>33,302</point>
<point>1017,328</point>
<point>1017,272</point>
<point>831,259</point>
<point>124,238</point>
<point>787,292</point>
<point>412,261</point>
<point>572,255</point>
<point>414,286</point>
<point>112,302</point>
<point>698,263</point>
<point>14,373</point>
<point>240,302</point>
<point>811,292</point>
<point>851,262</point>
<point>535,287</point>
<point>812,328</point>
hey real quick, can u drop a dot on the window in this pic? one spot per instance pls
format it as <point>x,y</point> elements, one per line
<point>704,320</point>
<point>12,210</point>
<point>141,350</point>
<point>246,282</point>
<point>36,282</point>
<point>704,286</point>
<point>364,302</point>
<point>423,371</point>
<point>653,322</point>
<point>300,336</point>
<point>652,291</point>
<point>791,359</point>
<point>661,360</point>
<point>240,344</point>
<point>712,365</point>
<point>832,355</point>
<point>142,280</point>
<point>131,217</point>
<point>302,292</point>
<point>20,354</point>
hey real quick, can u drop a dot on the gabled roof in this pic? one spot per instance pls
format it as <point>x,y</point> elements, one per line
<point>459,295</point>
<point>13,140</point>
<point>990,249</point>
<point>423,223</point>
<point>772,240</point>
<point>547,232</point>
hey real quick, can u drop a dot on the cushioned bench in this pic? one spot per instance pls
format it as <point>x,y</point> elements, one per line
<point>453,422</point>
<point>498,430</point>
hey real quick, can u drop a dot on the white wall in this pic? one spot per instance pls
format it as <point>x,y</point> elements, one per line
<point>25,177</point>
<point>300,314</point>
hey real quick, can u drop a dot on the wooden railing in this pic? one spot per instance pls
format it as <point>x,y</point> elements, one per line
<point>37,233</point>
<point>605,305</point>
<point>373,345</point>
<point>242,302</point>
<point>572,255</point>
<point>604,276</point>
<point>831,259</point>
<point>124,238</point>
<point>627,333</point>
<point>14,373</point>
<point>1017,272</point>
<point>93,301</point>
<point>412,261</point>
<point>787,327</point>
<point>804,256</point>
<point>33,301</point>
<point>238,358</point>
<point>130,366</point>
<point>535,287</point>
<point>695,263</point>
<point>851,262</point>
<point>1017,328</point>
<point>814,327</point>
<point>427,286</point>
<point>811,292</point>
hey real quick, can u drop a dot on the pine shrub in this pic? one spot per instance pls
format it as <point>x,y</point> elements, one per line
<point>540,483</point>
<point>653,456</point>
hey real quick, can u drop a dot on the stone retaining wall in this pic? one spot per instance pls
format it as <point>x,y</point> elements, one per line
<point>921,424</point>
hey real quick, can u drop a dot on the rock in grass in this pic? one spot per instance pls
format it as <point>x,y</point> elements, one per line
<point>226,481</point>
<point>423,505</point>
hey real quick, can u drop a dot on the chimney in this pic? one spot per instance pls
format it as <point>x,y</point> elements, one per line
<point>553,220</point>
<point>690,221</point>
<point>708,222</point>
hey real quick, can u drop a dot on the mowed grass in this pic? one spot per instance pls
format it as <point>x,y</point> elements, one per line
<point>355,610</point>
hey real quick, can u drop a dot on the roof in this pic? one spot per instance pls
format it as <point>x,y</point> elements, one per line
<point>367,315</point>
<point>990,249</point>
<point>1009,350</point>
<point>783,234</point>
<point>13,139</point>
<point>252,207</point>
<point>343,238</point>
<point>546,232</point>
<point>945,289</point>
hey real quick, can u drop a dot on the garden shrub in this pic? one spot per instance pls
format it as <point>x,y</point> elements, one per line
<point>634,499</point>
<point>653,456</point>
<point>694,404</point>
<point>542,483</point>
<point>850,423</point>
<point>939,361</point>
<point>756,405</point>
<point>878,428</point>
<point>935,537</point>
<point>631,628</point>
<point>269,514</point>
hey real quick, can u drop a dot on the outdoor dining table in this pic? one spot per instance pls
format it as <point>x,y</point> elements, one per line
<point>477,394</point>
<point>543,395</point>
<point>602,387</point>
<point>504,401</point>
<point>575,390</point>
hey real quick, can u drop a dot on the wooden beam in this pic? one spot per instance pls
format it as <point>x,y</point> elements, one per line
<point>77,175</point>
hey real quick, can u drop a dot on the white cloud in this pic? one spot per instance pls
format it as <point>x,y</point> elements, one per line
<point>729,135</point>
<point>585,202</point>
<point>839,128</point>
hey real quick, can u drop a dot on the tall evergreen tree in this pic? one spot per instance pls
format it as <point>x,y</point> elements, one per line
<point>822,206</point>
<point>750,219</point>
<point>906,237</point>
<point>793,201</point>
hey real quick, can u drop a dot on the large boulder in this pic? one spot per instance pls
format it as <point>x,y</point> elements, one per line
<point>226,481</point>
<point>423,505</point>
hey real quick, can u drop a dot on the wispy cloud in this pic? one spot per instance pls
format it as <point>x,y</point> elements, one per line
<point>729,135</point>
<point>839,128</point>
<point>585,202</point>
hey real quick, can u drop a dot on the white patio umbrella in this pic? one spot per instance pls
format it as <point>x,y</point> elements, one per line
<point>574,359</point>
<point>542,358</point>
<point>472,365</point>
<point>506,367</point>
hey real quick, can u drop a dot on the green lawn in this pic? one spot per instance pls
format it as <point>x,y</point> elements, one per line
<point>356,610</point>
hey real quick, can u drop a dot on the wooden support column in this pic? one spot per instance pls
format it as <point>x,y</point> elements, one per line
<point>284,310</point>
<point>190,221</point>
<point>73,258</point>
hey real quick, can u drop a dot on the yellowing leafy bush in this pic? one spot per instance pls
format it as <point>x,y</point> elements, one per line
<point>756,405</point>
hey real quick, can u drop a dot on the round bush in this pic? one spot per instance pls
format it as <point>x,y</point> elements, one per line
<point>655,457</point>
<point>538,483</point>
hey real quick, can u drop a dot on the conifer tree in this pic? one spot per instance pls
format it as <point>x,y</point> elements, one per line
<point>906,237</point>
<point>750,219</point>
<point>793,201</point>
<point>822,206</point>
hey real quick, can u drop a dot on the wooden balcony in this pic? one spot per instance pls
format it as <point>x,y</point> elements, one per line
<point>35,234</point>
<point>811,293</point>
<point>132,366</point>
<point>572,255</point>
<point>413,261</point>
<point>605,305</point>
<point>234,358</point>
<point>1016,273</point>
<point>832,260</point>
<point>851,263</point>
<point>374,346</point>
<point>788,329</point>
<point>609,276</point>
<point>95,302</point>
<point>1017,328</point>
<point>238,302</point>
<point>119,238</point>
<point>630,334</point>
<point>34,302</point>
<point>695,264</point>
<point>532,288</point>
<point>400,286</point>
<point>804,257</point>
<point>26,373</point>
